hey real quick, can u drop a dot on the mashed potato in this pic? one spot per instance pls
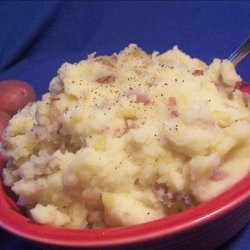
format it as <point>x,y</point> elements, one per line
<point>128,138</point>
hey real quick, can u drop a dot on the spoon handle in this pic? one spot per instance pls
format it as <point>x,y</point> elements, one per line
<point>239,54</point>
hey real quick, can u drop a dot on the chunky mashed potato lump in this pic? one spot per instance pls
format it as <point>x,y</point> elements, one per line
<point>128,138</point>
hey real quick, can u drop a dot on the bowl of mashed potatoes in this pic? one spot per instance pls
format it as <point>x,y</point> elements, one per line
<point>128,148</point>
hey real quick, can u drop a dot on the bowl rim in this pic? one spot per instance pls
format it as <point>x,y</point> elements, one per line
<point>192,218</point>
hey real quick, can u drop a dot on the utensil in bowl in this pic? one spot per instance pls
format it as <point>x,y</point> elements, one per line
<point>240,53</point>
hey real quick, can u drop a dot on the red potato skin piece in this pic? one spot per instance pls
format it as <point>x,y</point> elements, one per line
<point>174,113</point>
<point>172,107</point>
<point>2,161</point>
<point>142,98</point>
<point>172,102</point>
<point>14,95</point>
<point>106,79</point>
<point>4,120</point>
<point>218,175</point>
<point>198,72</point>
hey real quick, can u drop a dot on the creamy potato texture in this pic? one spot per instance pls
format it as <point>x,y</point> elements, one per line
<point>128,138</point>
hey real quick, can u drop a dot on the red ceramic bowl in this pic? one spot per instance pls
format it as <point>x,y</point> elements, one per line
<point>205,226</point>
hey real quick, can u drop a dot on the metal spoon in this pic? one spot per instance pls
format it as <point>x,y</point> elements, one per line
<point>239,54</point>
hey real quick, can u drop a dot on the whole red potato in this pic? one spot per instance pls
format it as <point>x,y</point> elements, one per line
<point>14,95</point>
<point>2,161</point>
<point>4,120</point>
